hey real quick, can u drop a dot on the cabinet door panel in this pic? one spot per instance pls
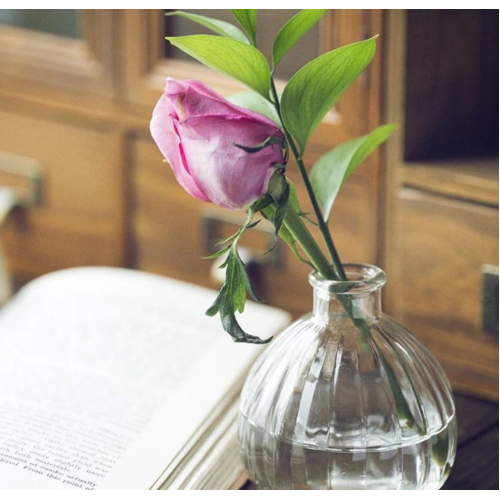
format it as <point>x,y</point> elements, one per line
<point>79,219</point>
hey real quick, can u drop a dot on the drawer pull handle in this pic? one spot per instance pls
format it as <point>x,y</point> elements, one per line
<point>24,176</point>
<point>7,204</point>
<point>20,186</point>
<point>490,299</point>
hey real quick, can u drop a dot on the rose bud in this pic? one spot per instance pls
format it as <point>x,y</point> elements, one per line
<point>197,130</point>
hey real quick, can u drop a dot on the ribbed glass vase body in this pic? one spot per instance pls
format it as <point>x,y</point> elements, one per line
<point>340,404</point>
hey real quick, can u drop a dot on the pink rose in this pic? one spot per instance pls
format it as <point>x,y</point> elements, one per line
<point>196,130</point>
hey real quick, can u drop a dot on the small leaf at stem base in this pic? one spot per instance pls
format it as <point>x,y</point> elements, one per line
<point>233,294</point>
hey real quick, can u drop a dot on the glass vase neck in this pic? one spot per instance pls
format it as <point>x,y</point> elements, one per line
<point>362,293</point>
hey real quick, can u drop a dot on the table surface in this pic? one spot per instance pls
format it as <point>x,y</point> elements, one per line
<point>476,464</point>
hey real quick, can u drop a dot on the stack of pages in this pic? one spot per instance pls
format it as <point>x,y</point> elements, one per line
<point>115,379</point>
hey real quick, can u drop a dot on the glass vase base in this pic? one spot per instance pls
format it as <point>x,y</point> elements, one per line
<point>283,465</point>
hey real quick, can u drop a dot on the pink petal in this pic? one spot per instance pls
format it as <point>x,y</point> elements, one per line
<point>167,140</point>
<point>201,100</point>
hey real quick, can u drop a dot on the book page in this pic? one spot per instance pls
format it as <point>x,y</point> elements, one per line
<point>106,373</point>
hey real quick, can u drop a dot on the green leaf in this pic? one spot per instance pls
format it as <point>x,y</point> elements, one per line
<point>255,102</point>
<point>217,254</point>
<point>248,19</point>
<point>235,59</point>
<point>293,30</point>
<point>315,88</point>
<point>222,28</point>
<point>333,169</point>
<point>232,299</point>
<point>246,280</point>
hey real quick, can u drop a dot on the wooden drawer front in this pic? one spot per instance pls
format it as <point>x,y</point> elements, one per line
<point>168,231</point>
<point>436,283</point>
<point>79,220</point>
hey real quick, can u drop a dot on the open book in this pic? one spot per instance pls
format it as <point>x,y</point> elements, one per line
<point>115,379</point>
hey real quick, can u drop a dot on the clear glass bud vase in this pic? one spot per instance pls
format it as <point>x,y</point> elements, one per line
<point>347,400</point>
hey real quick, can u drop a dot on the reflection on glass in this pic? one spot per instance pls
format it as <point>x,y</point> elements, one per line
<point>63,22</point>
<point>268,24</point>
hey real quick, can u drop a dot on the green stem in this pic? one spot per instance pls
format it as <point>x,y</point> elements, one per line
<point>337,263</point>
<point>299,231</point>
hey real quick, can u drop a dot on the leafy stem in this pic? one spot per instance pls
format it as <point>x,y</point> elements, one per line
<point>337,264</point>
<point>233,294</point>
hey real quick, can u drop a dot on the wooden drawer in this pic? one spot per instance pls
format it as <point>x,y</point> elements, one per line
<point>436,283</point>
<point>79,220</point>
<point>168,231</point>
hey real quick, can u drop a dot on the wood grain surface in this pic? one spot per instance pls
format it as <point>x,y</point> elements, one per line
<point>442,246</point>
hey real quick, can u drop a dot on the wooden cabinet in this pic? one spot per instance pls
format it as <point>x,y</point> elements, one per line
<point>443,247</point>
<point>441,221</point>
<point>81,106</point>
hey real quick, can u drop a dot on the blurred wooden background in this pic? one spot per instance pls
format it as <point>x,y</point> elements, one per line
<point>77,96</point>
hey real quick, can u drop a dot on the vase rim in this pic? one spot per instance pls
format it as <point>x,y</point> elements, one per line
<point>363,278</point>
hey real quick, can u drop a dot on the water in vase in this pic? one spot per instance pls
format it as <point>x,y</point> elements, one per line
<point>277,464</point>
